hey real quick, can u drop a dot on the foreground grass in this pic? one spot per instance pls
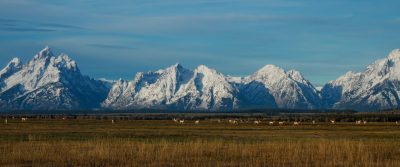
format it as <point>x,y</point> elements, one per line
<point>164,143</point>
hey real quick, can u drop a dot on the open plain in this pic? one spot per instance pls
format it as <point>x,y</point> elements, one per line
<point>207,142</point>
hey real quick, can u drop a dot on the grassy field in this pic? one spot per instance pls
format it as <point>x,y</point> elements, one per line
<point>91,142</point>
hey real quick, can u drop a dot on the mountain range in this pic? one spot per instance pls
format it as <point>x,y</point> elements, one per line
<point>49,82</point>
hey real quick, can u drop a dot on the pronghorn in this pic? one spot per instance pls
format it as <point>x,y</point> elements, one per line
<point>281,123</point>
<point>181,121</point>
<point>257,122</point>
<point>233,121</point>
<point>175,120</point>
<point>296,123</point>
<point>313,122</point>
<point>23,119</point>
<point>365,122</point>
<point>6,121</point>
<point>358,122</point>
<point>271,122</point>
<point>397,122</point>
<point>112,121</point>
<point>332,121</point>
<point>197,122</point>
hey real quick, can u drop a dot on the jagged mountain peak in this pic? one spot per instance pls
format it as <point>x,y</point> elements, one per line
<point>295,75</point>
<point>395,54</point>
<point>65,61</point>
<point>271,71</point>
<point>375,88</point>
<point>270,68</point>
<point>46,52</point>
<point>12,67</point>
<point>176,68</point>
<point>210,75</point>
<point>15,62</point>
<point>175,88</point>
<point>268,73</point>
<point>48,82</point>
<point>289,88</point>
<point>178,65</point>
<point>387,68</point>
<point>204,68</point>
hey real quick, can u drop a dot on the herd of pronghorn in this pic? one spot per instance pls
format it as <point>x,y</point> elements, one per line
<point>257,122</point>
<point>237,121</point>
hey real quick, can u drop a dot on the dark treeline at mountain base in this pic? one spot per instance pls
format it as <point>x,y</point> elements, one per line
<point>265,115</point>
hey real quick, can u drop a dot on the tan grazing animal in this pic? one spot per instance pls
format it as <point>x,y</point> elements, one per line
<point>6,121</point>
<point>358,122</point>
<point>397,122</point>
<point>233,121</point>
<point>313,122</point>
<point>112,121</point>
<point>197,122</point>
<point>365,122</point>
<point>281,123</point>
<point>181,121</point>
<point>23,119</point>
<point>271,122</point>
<point>257,122</point>
<point>332,121</point>
<point>296,123</point>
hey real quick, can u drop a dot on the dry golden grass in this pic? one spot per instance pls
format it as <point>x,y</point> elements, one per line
<point>200,153</point>
<point>163,143</point>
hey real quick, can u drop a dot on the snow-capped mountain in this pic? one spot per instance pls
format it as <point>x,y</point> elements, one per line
<point>175,88</point>
<point>48,82</point>
<point>378,87</point>
<point>207,89</point>
<point>272,87</point>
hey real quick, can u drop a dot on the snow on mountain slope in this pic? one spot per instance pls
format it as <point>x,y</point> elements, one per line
<point>12,67</point>
<point>174,88</point>
<point>50,83</point>
<point>207,90</point>
<point>147,90</point>
<point>378,87</point>
<point>273,87</point>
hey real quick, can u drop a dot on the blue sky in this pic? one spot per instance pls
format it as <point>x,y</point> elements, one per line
<point>321,39</point>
